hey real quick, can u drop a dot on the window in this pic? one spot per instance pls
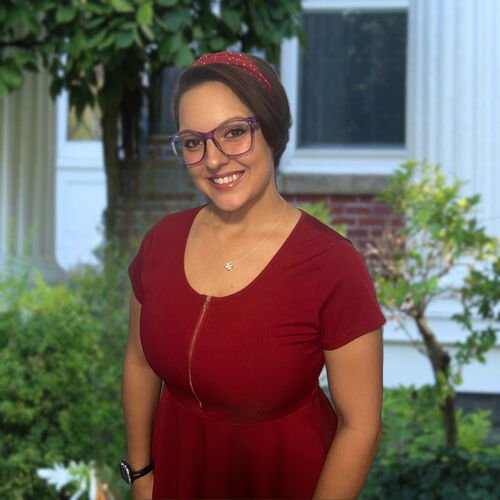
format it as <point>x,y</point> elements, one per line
<point>79,141</point>
<point>348,91</point>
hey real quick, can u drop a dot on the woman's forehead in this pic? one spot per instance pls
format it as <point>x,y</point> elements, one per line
<point>207,106</point>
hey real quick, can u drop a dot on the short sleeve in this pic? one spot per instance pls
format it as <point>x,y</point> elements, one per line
<point>348,306</point>
<point>136,267</point>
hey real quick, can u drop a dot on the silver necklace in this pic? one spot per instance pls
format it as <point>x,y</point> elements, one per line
<point>229,264</point>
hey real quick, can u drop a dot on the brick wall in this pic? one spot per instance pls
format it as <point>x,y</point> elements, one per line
<point>364,218</point>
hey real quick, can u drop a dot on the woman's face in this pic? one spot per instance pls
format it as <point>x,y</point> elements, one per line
<point>206,107</point>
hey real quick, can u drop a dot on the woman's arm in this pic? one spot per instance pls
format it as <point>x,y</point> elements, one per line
<point>355,383</point>
<point>140,395</point>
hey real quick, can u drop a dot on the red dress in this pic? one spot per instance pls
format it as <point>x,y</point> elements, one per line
<point>241,413</point>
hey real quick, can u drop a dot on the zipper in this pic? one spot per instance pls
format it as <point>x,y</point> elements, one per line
<point>195,334</point>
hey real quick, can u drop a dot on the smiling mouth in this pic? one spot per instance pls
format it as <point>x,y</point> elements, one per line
<point>226,179</point>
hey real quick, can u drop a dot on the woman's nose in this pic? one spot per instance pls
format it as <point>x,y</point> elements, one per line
<point>214,158</point>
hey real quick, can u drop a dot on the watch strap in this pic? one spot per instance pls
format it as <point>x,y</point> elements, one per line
<point>136,474</point>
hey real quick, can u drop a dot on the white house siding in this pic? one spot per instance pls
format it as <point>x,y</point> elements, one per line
<point>27,176</point>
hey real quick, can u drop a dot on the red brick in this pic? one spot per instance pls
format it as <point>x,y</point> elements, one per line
<point>350,221</point>
<point>342,199</point>
<point>310,199</point>
<point>382,210</point>
<point>365,199</point>
<point>357,233</point>
<point>371,221</point>
<point>376,233</point>
<point>358,209</point>
<point>397,222</point>
<point>337,209</point>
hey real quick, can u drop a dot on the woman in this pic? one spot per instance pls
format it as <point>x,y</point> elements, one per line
<point>236,306</point>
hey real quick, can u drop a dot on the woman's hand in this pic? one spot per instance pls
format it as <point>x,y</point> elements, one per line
<point>142,488</point>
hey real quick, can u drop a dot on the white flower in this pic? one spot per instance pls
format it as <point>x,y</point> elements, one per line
<point>59,476</point>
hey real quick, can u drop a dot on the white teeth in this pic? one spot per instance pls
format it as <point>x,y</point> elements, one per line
<point>227,180</point>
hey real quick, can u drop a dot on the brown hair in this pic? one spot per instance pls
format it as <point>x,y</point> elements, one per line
<point>274,117</point>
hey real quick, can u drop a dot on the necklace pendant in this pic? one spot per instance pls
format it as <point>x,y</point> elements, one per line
<point>228,266</point>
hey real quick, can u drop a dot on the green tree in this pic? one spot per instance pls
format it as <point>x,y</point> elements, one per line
<point>128,39</point>
<point>412,266</point>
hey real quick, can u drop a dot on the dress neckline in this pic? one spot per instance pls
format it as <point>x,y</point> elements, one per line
<point>250,285</point>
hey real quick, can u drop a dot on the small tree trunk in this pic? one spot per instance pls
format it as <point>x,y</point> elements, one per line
<point>109,123</point>
<point>440,361</point>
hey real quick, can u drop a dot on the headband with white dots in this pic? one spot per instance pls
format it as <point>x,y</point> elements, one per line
<point>237,60</point>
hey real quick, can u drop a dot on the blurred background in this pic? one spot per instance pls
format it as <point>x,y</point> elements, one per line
<point>395,143</point>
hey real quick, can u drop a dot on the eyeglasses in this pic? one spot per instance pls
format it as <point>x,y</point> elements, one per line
<point>233,138</point>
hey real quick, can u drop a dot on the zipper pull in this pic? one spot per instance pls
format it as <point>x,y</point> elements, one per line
<point>207,300</point>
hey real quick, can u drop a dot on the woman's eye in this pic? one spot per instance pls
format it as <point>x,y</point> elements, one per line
<point>235,132</point>
<point>191,143</point>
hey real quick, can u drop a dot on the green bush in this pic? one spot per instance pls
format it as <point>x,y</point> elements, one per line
<point>448,473</point>
<point>413,425</point>
<point>413,462</point>
<point>61,354</point>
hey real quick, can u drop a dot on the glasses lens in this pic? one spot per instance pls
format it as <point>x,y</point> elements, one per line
<point>190,147</point>
<point>234,138</point>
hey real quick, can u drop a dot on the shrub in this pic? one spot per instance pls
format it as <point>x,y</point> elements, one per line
<point>61,354</point>
<point>413,462</point>
<point>448,473</point>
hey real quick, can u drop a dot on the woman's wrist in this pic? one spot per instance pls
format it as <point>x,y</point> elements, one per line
<point>138,463</point>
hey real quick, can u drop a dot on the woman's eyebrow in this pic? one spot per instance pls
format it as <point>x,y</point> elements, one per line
<point>225,121</point>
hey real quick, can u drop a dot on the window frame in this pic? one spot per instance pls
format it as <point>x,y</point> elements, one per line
<point>340,160</point>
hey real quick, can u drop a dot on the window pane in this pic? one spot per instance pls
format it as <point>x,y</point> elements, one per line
<point>88,128</point>
<point>352,79</point>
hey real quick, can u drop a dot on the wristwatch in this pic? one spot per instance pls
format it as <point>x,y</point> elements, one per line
<point>130,475</point>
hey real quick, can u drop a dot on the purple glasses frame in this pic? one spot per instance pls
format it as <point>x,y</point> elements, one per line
<point>211,135</point>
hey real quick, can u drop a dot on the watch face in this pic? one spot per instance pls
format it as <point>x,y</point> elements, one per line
<point>125,472</point>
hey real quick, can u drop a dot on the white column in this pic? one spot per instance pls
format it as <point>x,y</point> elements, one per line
<point>453,98</point>
<point>27,174</point>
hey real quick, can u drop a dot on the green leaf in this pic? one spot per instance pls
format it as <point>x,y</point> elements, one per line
<point>137,39</point>
<point>3,14</point>
<point>96,39</point>
<point>218,43</point>
<point>65,14</point>
<point>169,46</point>
<point>107,42</point>
<point>122,6</point>
<point>186,17</point>
<point>197,33</point>
<point>124,39</point>
<point>15,16</point>
<point>4,90</point>
<point>145,14</point>
<point>167,3</point>
<point>172,19</point>
<point>31,23</point>
<point>24,58</point>
<point>231,18</point>
<point>183,57</point>
<point>148,32</point>
<point>95,23</point>
<point>11,76</point>
<point>89,7</point>
<point>77,44</point>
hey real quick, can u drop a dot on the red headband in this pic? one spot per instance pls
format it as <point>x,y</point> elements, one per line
<point>237,60</point>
